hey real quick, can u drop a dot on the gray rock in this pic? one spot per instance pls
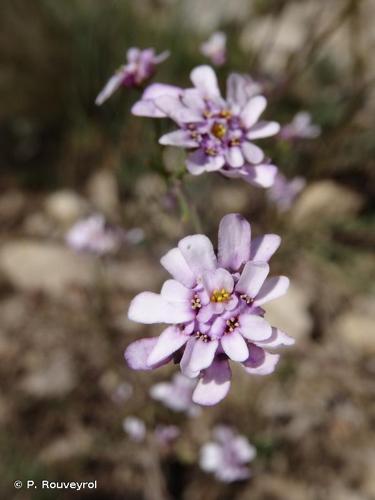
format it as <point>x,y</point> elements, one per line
<point>65,207</point>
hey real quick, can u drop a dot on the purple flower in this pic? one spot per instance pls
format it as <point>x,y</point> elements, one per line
<point>135,428</point>
<point>176,395</point>
<point>140,67</point>
<point>227,457</point>
<point>215,48</point>
<point>95,235</point>
<point>165,435</point>
<point>213,306</point>
<point>301,127</point>
<point>219,132</point>
<point>284,192</point>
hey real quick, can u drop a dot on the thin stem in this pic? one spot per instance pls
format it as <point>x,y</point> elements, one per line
<point>189,212</point>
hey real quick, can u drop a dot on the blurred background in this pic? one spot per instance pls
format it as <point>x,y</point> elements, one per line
<point>65,389</point>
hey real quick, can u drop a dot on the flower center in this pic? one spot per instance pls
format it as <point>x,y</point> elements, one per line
<point>247,299</point>
<point>196,302</point>
<point>219,130</point>
<point>202,336</point>
<point>232,324</point>
<point>220,295</point>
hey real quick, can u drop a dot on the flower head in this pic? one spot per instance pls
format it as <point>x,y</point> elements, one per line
<point>95,235</point>
<point>218,132</point>
<point>284,192</point>
<point>165,435</point>
<point>215,48</point>
<point>213,306</point>
<point>227,456</point>
<point>301,127</point>
<point>140,67</point>
<point>176,394</point>
<point>135,428</point>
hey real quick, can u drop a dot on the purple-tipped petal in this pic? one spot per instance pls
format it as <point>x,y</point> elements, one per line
<point>252,278</point>
<point>252,153</point>
<point>263,247</point>
<point>149,307</point>
<point>254,327</point>
<point>174,262</point>
<point>234,241</point>
<point>180,138</point>
<point>204,79</point>
<point>137,353</point>
<point>169,341</point>
<point>272,289</point>
<point>214,385</point>
<point>252,111</point>
<point>234,346</point>
<point>198,162</point>
<point>260,362</point>
<point>199,254</point>
<point>277,339</point>
<point>263,129</point>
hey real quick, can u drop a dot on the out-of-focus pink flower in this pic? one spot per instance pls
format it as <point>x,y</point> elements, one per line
<point>219,133</point>
<point>301,127</point>
<point>95,235</point>
<point>140,67</point>
<point>213,306</point>
<point>135,428</point>
<point>215,48</point>
<point>122,393</point>
<point>165,435</point>
<point>176,394</point>
<point>227,456</point>
<point>284,192</point>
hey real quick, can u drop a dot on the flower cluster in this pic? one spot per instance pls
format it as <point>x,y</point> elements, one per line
<point>213,305</point>
<point>219,133</point>
<point>140,67</point>
<point>227,456</point>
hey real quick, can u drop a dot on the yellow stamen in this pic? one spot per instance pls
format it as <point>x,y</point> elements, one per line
<point>219,130</point>
<point>220,295</point>
<point>225,113</point>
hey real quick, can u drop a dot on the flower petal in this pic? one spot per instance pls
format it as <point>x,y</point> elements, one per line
<point>214,385</point>
<point>272,289</point>
<point>252,111</point>
<point>234,346</point>
<point>173,108</point>
<point>263,129</point>
<point>198,162</point>
<point>169,341</point>
<point>277,339</point>
<point>137,352</point>
<point>203,354</point>
<point>174,262</point>
<point>254,327</point>
<point>261,175</point>
<point>149,307</point>
<point>234,241</point>
<point>179,138</point>
<point>252,153</point>
<point>263,247</point>
<point>260,362</point>
<point>199,254</point>
<point>174,291</point>
<point>235,157</point>
<point>110,87</point>
<point>217,280</point>
<point>146,106</point>
<point>185,360</point>
<point>192,98</point>
<point>204,79</point>
<point>252,278</point>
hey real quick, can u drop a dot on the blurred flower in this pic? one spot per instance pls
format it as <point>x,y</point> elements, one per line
<point>122,393</point>
<point>176,395</point>
<point>284,192</point>
<point>213,307</point>
<point>227,456</point>
<point>165,435</point>
<point>215,48</point>
<point>301,127</point>
<point>95,235</point>
<point>135,428</point>
<point>220,132</point>
<point>140,67</point>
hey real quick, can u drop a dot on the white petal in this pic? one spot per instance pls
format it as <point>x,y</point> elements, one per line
<point>263,247</point>
<point>252,153</point>
<point>199,254</point>
<point>110,87</point>
<point>168,342</point>
<point>234,241</point>
<point>235,157</point>
<point>174,291</point>
<point>263,129</point>
<point>204,79</point>
<point>234,346</point>
<point>149,307</point>
<point>174,262</point>
<point>252,278</point>
<point>252,111</point>
<point>179,138</point>
<point>254,327</point>
<point>272,289</point>
<point>214,385</point>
